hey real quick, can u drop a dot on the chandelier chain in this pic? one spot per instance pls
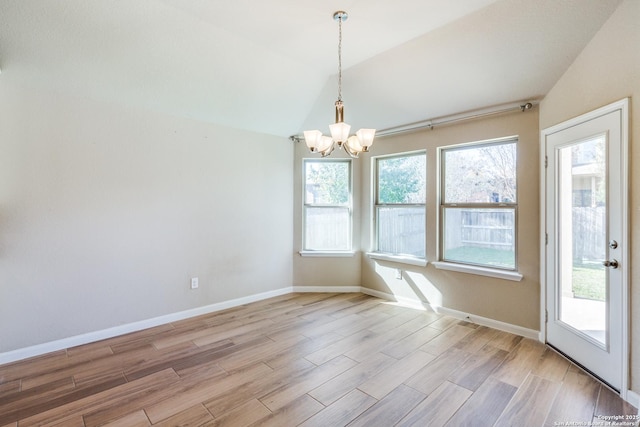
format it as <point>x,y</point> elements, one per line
<point>340,59</point>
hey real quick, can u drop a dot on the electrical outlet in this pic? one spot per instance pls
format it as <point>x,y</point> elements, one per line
<point>194,283</point>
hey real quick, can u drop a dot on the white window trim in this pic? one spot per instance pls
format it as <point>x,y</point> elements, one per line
<point>374,253</point>
<point>499,273</point>
<point>403,259</point>
<point>327,254</point>
<point>480,271</point>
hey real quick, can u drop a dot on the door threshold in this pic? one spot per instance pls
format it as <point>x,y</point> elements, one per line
<point>594,376</point>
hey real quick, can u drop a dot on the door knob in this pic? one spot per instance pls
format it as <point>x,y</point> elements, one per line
<point>611,264</point>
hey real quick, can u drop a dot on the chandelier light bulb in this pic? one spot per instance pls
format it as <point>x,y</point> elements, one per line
<point>312,139</point>
<point>339,132</point>
<point>365,136</point>
<point>326,145</point>
<point>354,144</point>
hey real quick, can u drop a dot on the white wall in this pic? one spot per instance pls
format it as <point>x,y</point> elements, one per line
<point>106,213</point>
<point>607,70</point>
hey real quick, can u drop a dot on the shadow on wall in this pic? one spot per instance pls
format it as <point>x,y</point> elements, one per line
<point>408,285</point>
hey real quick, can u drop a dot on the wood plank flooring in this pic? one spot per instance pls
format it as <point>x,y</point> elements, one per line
<point>309,360</point>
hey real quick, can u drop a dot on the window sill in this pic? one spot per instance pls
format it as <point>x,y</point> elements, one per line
<point>327,254</point>
<point>481,271</point>
<point>398,258</point>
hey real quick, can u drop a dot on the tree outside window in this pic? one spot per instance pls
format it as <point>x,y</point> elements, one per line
<point>400,205</point>
<point>479,196</point>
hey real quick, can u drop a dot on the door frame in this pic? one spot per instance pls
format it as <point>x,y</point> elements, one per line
<point>623,106</point>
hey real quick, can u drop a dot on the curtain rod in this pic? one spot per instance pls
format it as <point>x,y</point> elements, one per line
<point>450,119</point>
<point>454,118</point>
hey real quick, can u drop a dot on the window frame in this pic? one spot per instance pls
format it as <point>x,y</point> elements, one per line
<point>348,206</point>
<point>470,267</point>
<point>376,253</point>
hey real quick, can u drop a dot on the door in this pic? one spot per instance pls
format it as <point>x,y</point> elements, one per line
<point>585,199</point>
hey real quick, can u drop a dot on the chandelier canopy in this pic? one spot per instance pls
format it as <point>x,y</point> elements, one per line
<point>354,144</point>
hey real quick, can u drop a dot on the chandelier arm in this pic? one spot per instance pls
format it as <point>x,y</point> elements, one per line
<point>352,153</point>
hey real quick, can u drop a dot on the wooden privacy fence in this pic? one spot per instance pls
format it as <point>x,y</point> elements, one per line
<point>327,229</point>
<point>494,229</point>
<point>589,234</point>
<point>401,230</point>
<point>483,228</point>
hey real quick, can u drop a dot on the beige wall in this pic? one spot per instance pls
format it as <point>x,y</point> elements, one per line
<point>607,70</point>
<point>320,271</point>
<point>507,301</point>
<point>512,302</point>
<point>106,213</point>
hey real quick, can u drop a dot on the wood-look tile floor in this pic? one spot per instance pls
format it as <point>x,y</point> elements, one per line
<point>311,360</point>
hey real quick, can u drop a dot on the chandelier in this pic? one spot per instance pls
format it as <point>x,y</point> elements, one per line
<point>354,144</point>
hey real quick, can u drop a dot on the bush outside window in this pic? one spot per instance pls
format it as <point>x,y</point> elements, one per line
<point>400,204</point>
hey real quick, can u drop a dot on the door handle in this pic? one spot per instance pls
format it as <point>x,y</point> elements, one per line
<point>611,264</point>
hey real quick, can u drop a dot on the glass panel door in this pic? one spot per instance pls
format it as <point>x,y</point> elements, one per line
<point>582,204</point>
<point>585,255</point>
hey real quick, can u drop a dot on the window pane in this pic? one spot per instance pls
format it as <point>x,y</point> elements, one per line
<point>402,179</point>
<point>327,229</point>
<point>582,239</point>
<point>401,230</point>
<point>480,174</point>
<point>480,236</point>
<point>326,183</point>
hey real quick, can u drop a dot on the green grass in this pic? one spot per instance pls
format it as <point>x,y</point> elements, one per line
<point>482,256</point>
<point>588,282</point>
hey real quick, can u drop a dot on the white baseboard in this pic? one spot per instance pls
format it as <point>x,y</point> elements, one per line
<point>40,349</point>
<point>491,323</point>
<point>327,289</point>
<point>64,343</point>
<point>484,321</point>
<point>633,398</point>
<point>630,396</point>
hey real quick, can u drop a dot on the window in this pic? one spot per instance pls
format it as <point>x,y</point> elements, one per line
<point>478,204</point>
<point>400,204</point>
<point>327,205</point>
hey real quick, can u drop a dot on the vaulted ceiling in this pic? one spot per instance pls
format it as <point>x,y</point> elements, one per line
<point>270,66</point>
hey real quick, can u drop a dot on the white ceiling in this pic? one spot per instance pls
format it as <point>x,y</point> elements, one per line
<point>270,66</point>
